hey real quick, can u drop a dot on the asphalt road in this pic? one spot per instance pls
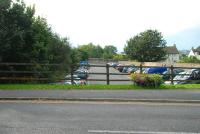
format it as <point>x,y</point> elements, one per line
<point>98,118</point>
<point>111,70</point>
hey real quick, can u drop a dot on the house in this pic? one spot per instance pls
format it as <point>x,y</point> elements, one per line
<point>172,54</point>
<point>195,52</point>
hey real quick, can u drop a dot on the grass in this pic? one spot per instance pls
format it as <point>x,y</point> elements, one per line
<point>91,87</point>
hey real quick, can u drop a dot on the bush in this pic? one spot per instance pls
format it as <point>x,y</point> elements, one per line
<point>191,59</point>
<point>147,80</point>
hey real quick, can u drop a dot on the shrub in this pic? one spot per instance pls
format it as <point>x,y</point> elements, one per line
<point>147,80</point>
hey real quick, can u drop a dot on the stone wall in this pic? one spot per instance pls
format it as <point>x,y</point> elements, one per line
<point>160,64</point>
<point>100,61</point>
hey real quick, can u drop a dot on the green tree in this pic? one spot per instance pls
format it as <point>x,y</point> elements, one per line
<point>98,52</point>
<point>90,51</point>
<point>75,56</point>
<point>109,51</point>
<point>148,46</point>
<point>120,57</point>
<point>26,38</point>
<point>16,41</point>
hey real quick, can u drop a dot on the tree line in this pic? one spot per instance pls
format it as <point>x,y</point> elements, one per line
<point>26,38</point>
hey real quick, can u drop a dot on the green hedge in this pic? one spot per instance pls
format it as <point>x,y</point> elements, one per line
<point>147,80</point>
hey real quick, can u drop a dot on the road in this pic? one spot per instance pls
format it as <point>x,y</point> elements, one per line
<point>111,70</point>
<point>98,118</point>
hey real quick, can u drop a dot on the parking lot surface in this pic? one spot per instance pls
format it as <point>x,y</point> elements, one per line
<point>111,70</point>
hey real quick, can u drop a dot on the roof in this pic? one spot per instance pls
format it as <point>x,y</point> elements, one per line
<point>196,50</point>
<point>172,50</point>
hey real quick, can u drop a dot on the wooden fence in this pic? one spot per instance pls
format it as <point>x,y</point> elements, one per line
<point>11,74</point>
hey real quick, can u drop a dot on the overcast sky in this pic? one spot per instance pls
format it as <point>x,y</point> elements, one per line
<point>113,22</point>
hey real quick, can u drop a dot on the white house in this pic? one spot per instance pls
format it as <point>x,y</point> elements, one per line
<point>195,52</point>
<point>172,54</point>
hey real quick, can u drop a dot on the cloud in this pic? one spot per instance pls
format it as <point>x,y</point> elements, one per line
<point>114,21</point>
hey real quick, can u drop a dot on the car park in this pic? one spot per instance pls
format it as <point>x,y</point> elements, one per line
<point>113,64</point>
<point>83,74</point>
<point>138,70</point>
<point>76,79</point>
<point>166,75</point>
<point>129,69</point>
<point>120,67</point>
<point>125,70</point>
<point>192,74</point>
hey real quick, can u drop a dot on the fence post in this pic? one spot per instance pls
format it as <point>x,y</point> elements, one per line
<point>141,68</point>
<point>72,75</point>
<point>172,74</point>
<point>107,74</point>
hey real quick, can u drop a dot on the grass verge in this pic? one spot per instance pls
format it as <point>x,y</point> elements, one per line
<point>91,87</point>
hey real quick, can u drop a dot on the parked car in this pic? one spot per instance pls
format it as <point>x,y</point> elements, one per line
<point>120,67</point>
<point>75,77</point>
<point>132,69</point>
<point>84,64</point>
<point>115,65</point>
<point>138,70</point>
<point>193,74</point>
<point>83,74</point>
<point>128,69</point>
<point>125,70</point>
<point>77,80</point>
<point>112,64</point>
<point>166,74</point>
<point>156,70</point>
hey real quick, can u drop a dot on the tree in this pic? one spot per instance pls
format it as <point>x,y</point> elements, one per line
<point>90,51</point>
<point>75,56</point>
<point>120,57</point>
<point>109,51</point>
<point>16,41</point>
<point>148,46</point>
<point>28,39</point>
<point>98,52</point>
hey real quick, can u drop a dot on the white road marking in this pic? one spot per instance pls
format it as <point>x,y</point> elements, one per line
<point>136,132</point>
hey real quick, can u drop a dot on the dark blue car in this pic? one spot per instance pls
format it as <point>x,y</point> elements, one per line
<point>156,70</point>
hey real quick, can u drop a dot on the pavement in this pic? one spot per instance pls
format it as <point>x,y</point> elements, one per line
<point>167,96</point>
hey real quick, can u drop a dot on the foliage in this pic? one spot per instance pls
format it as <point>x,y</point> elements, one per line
<point>109,51</point>
<point>148,46</point>
<point>120,57</point>
<point>75,56</point>
<point>16,32</point>
<point>25,38</point>
<point>90,51</point>
<point>84,52</point>
<point>191,59</point>
<point>147,80</point>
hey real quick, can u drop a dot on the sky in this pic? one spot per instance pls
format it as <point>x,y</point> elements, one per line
<point>113,22</point>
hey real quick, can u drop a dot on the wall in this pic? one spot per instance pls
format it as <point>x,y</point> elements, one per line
<point>160,64</point>
<point>172,58</point>
<point>100,61</point>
